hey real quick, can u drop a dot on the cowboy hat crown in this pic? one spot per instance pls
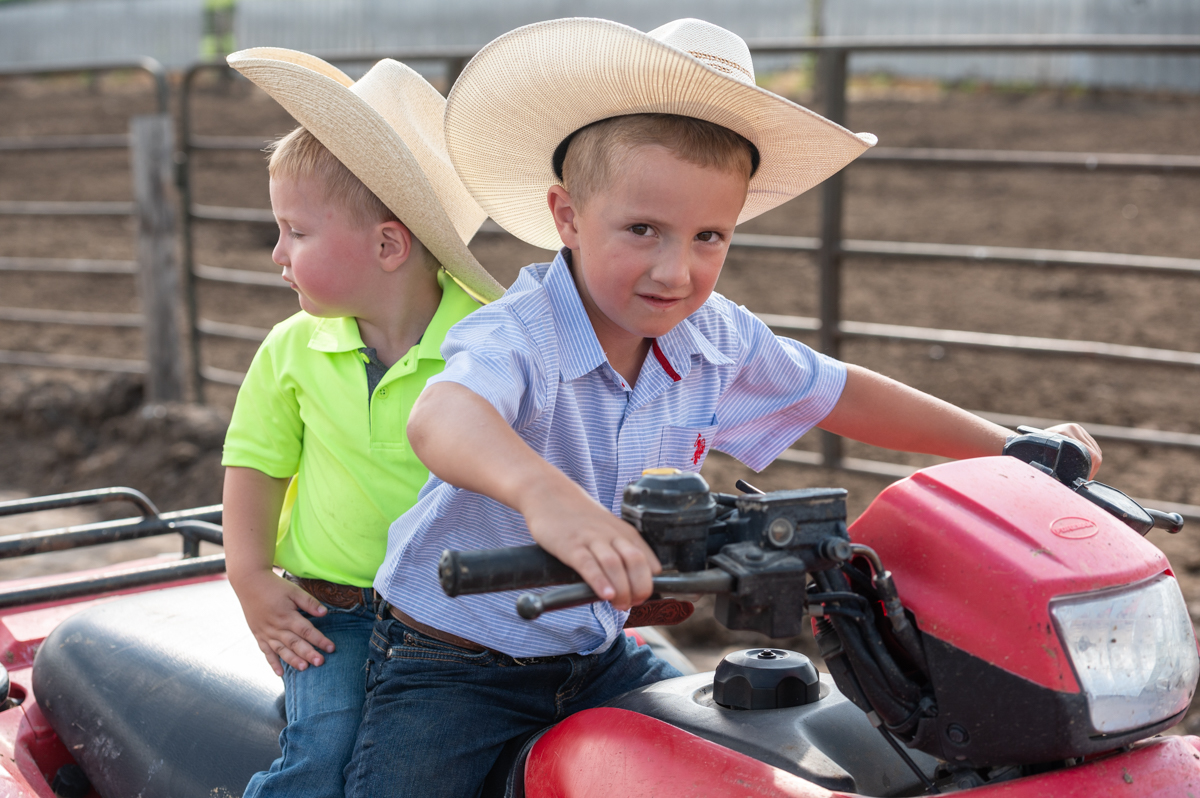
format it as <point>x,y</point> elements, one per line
<point>530,89</point>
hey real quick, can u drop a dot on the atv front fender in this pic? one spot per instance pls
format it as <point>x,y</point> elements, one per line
<point>604,752</point>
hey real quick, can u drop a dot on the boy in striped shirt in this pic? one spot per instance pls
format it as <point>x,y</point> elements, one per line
<point>616,357</point>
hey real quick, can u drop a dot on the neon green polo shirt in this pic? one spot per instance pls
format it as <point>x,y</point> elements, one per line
<point>303,410</point>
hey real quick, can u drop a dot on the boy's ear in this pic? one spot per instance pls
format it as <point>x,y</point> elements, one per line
<point>564,212</point>
<point>394,245</point>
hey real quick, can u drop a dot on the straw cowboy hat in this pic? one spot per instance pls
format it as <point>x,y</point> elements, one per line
<point>386,129</point>
<point>526,92</point>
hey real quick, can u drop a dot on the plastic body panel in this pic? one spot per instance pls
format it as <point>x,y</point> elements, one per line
<point>829,742</point>
<point>978,548</point>
<point>601,753</point>
<point>1002,719</point>
<point>607,752</point>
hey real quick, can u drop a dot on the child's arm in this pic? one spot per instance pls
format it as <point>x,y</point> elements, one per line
<point>882,412</point>
<point>251,519</point>
<point>461,438</point>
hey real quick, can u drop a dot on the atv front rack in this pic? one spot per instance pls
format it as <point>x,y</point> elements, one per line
<point>193,525</point>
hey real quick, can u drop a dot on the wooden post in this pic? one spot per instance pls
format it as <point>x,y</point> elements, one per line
<point>152,158</point>
<point>829,256</point>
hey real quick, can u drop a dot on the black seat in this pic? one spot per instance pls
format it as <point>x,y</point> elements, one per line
<point>163,693</point>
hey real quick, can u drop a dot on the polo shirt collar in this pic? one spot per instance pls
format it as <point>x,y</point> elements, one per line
<point>336,334</point>
<point>341,334</point>
<point>455,304</point>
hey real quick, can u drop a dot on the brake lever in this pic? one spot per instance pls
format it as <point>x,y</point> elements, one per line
<point>530,606</point>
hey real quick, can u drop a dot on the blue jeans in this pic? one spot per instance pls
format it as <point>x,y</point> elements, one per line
<point>437,716</point>
<point>324,705</point>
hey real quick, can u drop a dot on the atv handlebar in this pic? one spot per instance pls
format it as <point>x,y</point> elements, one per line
<point>463,573</point>
<point>1172,522</point>
<point>531,605</point>
<point>757,547</point>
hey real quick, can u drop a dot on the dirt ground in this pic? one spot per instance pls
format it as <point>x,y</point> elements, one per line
<point>61,431</point>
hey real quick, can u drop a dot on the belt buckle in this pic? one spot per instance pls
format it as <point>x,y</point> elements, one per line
<point>523,661</point>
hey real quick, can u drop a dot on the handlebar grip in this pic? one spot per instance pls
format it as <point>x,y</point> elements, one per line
<point>464,573</point>
<point>1172,522</point>
<point>530,606</point>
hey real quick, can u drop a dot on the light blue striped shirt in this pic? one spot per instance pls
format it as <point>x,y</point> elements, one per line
<point>719,379</point>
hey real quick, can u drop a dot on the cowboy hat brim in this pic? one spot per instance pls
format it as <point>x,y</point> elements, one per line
<point>386,129</point>
<point>526,91</point>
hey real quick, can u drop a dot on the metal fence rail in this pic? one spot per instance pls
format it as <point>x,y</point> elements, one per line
<point>93,208</point>
<point>829,250</point>
<point>833,56</point>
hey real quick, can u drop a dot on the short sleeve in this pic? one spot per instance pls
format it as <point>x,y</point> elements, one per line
<point>265,432</point>
<point>491,353</point>
<point>782,390</point>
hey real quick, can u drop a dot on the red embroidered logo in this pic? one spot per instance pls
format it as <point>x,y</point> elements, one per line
<point>699,450</point>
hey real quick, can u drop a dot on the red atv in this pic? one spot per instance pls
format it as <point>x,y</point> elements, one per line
<point>995,627</point>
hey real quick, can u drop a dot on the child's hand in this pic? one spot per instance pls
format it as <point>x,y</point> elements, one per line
<point>1078,433</point>
<point>271,605</point>
<point>608,553</point>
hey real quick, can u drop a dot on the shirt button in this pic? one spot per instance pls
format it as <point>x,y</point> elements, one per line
<point>383,393</point>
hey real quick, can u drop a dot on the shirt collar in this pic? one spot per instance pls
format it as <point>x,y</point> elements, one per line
<point>578,346</point>
<point>337,334</point>
<point>456,303</point>
<point>340,334</point>
<point>684,340</point>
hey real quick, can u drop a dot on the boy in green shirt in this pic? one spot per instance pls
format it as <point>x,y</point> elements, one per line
<point>373,224</point>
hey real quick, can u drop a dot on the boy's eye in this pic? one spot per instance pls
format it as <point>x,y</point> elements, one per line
<point>295,233</point>
<point>640,229</point>
<point>707,235</point>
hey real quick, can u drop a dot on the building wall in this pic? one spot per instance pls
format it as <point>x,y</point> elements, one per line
<point>55,33</point>
<point>1061,17</point>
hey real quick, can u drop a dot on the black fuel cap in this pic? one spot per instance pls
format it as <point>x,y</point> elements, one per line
<point>765,678</point>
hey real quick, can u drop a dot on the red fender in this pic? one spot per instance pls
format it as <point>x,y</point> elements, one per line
<point>603,753</point>
<point>1158,768</point>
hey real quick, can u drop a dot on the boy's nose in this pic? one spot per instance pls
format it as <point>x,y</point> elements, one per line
<point>279,253</point>
<point>671,269</point>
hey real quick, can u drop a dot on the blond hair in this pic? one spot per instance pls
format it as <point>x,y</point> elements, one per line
<point>596,154</point>
<point>299,156</point>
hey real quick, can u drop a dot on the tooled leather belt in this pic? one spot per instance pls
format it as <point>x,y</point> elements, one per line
<point>345,597</point>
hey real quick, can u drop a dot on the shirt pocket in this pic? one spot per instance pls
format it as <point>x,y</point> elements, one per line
<point>685,447</point>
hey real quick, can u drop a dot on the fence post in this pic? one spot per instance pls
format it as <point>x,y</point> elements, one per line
<point>152,156</point>
<point>829,256</point>
<point>184,181</point>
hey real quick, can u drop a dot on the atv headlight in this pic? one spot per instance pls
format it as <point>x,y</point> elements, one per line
<point>1134,652</point>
